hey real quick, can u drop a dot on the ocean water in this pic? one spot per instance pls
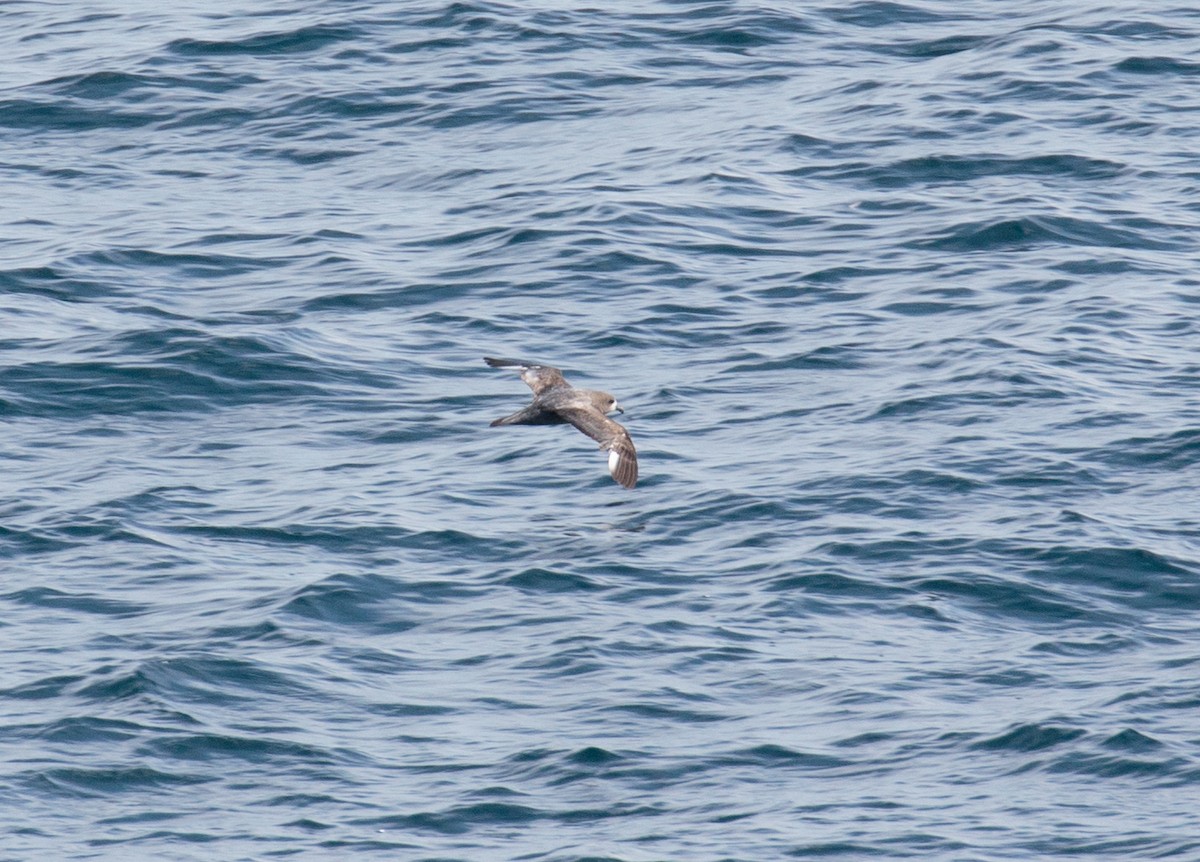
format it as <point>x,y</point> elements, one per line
<point>900,299</point>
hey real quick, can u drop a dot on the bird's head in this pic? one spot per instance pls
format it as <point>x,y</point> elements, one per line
<point>606,403</point>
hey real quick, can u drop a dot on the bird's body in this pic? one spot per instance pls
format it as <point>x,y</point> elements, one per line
<point>555,402</point>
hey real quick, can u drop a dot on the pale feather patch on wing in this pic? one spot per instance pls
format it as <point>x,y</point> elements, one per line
<point>537,377</point>
<point>622,461</point>
<point>533,376</point>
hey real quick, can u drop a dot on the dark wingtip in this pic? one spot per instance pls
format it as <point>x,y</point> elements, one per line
<point>498,362</point>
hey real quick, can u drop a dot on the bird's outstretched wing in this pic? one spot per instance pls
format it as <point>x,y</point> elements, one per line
<point>622,457</point>
<point>539,378</point>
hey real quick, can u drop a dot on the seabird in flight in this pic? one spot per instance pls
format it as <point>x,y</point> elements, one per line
<point>555,402</point>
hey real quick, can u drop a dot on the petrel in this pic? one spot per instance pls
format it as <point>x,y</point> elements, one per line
<point>555,401</point>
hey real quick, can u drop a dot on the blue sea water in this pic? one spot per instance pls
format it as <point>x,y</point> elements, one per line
<point>900,299</point>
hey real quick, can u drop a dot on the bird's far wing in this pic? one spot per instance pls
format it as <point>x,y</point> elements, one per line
<point>539,378</point>
<point>622,457</point>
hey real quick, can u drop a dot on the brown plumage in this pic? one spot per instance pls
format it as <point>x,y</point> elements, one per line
<point>555,401</point>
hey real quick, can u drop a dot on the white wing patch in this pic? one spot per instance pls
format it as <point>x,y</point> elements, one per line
<point>614,458</point>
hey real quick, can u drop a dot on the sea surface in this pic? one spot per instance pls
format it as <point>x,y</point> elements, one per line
<point>901,302</point>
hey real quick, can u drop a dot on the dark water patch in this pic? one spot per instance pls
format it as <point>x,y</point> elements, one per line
<point>1100,646</point>
<point>460,820</point>
<point>593,756</point>
<point>1158,66</point>
<point>1034,231</point>
<point>1094,266</point>
<point>215,748</point>
<point>360,539</point>
<point>566,661</point>
<point>29,542</point>
<point>1123,847</point>
<point>735,30</point>
<point>619,261</point>
<point>188,266</point>
<point>861,739</point>
<point>42,689</point>
<point>265,632</point>
<point>99,782</point>
<point>199,680</point>
<point>506,110</point>
<point>1037,287</point>
<point>927,612</point>
<point>1176,663</point>
<point>457,821</point>
<point>84,532</point>
<point>879,13</point>
<point>363,602</point>
<point>837,357</point>
<point>1139,28</point>
<point>807,144</point>
<point>28,115</point>
<point>142,817</point>
<point>89,730</point>
<point>53,599</point>
<point>300,801</point>
<point>392,103</point>
<point>1012,678</point>
<point>306,824</point>
<point>921,49</point>
<point>1128,577</point>
<point>205,118</point>
<point>299,41</point>
<point>719,656</point>
<point>743,509</point>
<point>924,483</point>
<point>1048,473</point>
<point>836,849</point>
<point>732,38</point>
<point>98,86</point>
<point>1170,452</point>
<point>314,156</point>
<point>950,405</point>
<point>935,170</point>
<point>418,43</point>
<point>1109,766</point>
<point>49,389</point>
<point>136,88</point>
<point>831,585</point>
<point>403,711</point>
<point>779,756</point>
<point>657,712</point>
<point>1030,737</point>
<point>53,282</point>
<point>1022,603</point>
<point>1132,741</point>
<point>169,836</point>
<point>925,308</point>
<point>408,296</point>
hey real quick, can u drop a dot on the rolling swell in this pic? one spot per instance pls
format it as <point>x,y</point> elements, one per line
<point>900,301</point>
